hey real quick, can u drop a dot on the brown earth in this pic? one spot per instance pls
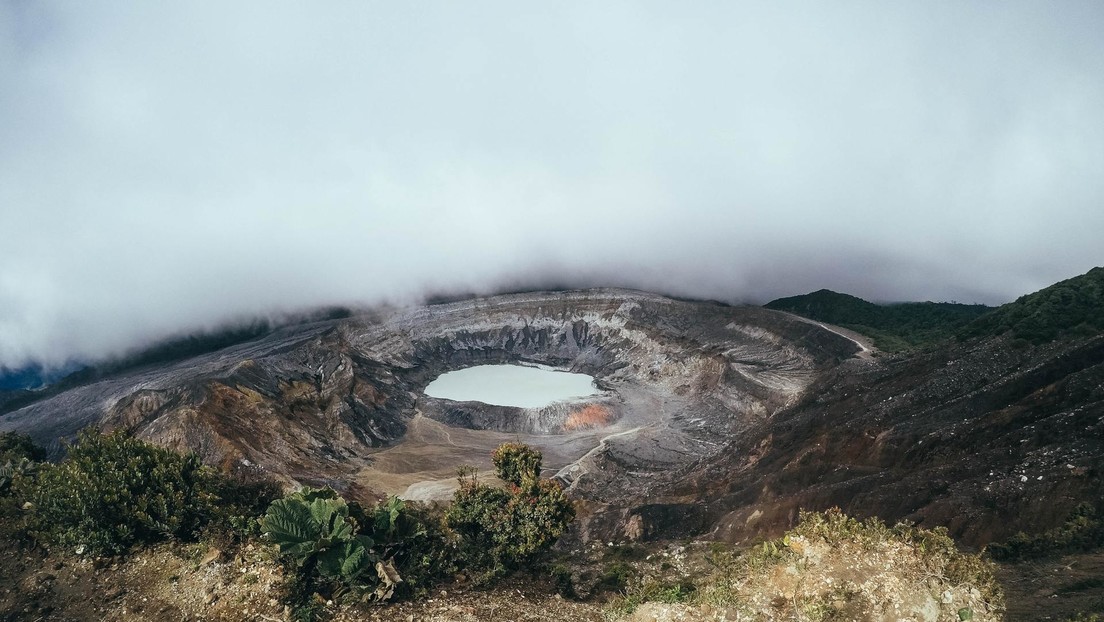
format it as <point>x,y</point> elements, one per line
<point>175,583</point>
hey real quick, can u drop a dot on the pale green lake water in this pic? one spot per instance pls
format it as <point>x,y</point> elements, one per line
<point>511,385</point>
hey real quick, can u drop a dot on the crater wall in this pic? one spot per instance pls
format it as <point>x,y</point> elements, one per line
<point>340,402</point>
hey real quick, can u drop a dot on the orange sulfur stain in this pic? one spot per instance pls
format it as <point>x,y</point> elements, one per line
<point>588,417</point>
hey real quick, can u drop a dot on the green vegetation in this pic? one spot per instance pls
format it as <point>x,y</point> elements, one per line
<point>12,471</point>
<point>413,539</point>
<point>334,549</point>
<point>614,577</point>
<point>514,462</point>
<point>836,529</point>
<point>325,547</point>
<point>113,492</point>
<point>937,550</point>
<point>15,447</point>
<point>1074,307</point>
<point>501,530</point>
<point>19,458</point>
<point>1082,531</point>
<point>893,327</point>
<point>651,592</point>
<point>563,580</point>
<point>831,567</point>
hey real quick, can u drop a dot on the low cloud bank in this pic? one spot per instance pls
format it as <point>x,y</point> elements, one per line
<point>167,169</point>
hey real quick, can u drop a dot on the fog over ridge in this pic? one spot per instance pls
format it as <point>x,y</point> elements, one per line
<point>166,169</point>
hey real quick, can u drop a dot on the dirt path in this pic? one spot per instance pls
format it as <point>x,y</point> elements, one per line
<point>867,351</point>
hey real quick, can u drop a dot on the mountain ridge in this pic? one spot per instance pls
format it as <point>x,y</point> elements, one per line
<point>894,327</point>
<point>337,392</point>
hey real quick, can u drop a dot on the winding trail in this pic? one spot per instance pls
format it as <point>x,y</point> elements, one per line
<point>866,352</point>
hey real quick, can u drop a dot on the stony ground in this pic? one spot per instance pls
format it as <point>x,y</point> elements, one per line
<point>813,582</point>
<point>181,583</point>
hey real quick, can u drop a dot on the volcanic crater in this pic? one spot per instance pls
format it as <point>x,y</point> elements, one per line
<point>341,402</point>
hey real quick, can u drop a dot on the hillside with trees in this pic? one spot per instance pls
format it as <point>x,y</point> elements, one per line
<point>1070,308</point>
<point>893,327</point>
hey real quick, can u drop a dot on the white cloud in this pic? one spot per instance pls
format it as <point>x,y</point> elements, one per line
<point>167,167</point>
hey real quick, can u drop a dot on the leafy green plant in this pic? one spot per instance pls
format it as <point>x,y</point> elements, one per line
<point>15,447</point>
<point>516,463</point>
<point>615,576</point>
<point>312,527</point>
<point>244,494</point>
<point>413,538</point>
<point>564,581</point>
<point>501,530</point>
<point>12,470</point>
<point>657,592</point>
<point>113,492</point>
<point>479,515</point>
<point>342,549</point>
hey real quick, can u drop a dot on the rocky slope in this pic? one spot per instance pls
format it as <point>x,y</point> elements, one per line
<point>989,434</point>
<point>340,402</point>
<point>713,420</point>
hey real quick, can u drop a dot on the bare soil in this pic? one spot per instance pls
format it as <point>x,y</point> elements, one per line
<point>1055,589</point>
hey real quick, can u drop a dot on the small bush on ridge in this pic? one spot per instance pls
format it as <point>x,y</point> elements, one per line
<point>15,446</point>
<point>516,462</point>
<point>113,492</point>
<point>503,530</point>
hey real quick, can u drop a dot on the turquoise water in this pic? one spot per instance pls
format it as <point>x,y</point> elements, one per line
<point>511,385</point>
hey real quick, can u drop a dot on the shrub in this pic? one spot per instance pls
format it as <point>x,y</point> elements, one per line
<point>1082,531</point>
<point>113,492</point>
<point>314,531</point>
<point>244,494</point>
<point>338,549</point>
<point>937,550</point>
<point>614,577</point>
<point>564,581</point>
<point>19,457</point>
<point>502,530</point>
<point>15,447</point>
<point>413,538</point>
<point>479,516</point>
<point>655,592</point>
<point>14,470</point>
<point>516,463</point>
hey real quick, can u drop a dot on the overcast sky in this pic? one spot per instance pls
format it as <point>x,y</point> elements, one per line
<point>165,167</point>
